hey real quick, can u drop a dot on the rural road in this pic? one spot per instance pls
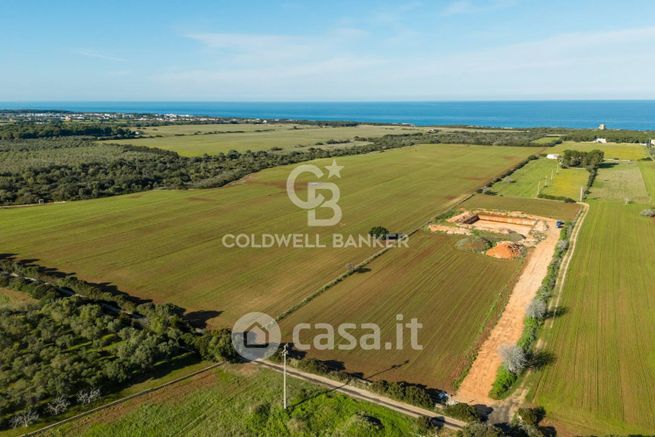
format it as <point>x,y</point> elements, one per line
<point>362,394</point>
<point>478,382</point>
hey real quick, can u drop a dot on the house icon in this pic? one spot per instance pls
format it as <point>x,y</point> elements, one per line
<point>256,336</point>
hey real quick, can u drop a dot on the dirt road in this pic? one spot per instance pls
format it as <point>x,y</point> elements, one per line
<point>479,380</point>
<point>360,393</point>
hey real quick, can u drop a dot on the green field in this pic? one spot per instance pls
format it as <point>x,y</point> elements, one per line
<point>166,245</point>
<point>601,380</point>
<point>648,174</point>
<point>620,181</point>
<point>541,207</point>
<point>623,151</point>
<point>545,140</point>
<point>241,401</point>
<point>543,176</point>
<point>182,140</point>
<point>427,281</point>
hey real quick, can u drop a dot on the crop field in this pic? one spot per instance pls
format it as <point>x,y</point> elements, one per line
<point>545,140</point>
<point>648,174</point>
<point>620,181</point>
<point>543,176</point>
<point>604,340</point>
<point>241,401</point>
<point>622,151</point>
<point>542,207</point>
<point>431,281</point>
<point>282,136</point>
<point>167,245</point>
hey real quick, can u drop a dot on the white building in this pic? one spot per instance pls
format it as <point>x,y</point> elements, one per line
<point>600,140</point>
<point>652,142</point>
<point>552,156</point>
<point>602,126</point>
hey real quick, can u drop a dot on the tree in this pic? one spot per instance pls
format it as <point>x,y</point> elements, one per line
<point>514,359</point>
<point>85,397</point>
<point>378,232</point>
<point>24,420</point>
<point>58,405</point>
<point>537,309</point>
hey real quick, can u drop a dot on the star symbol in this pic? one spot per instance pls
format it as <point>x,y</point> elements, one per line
<point>334,169</point>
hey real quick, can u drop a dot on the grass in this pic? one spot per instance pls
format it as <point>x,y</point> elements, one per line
<point>622,151</point>
<point>543,176</point>
<point>648,174</point>
<point>11,298</point>
<point>601,380</point>
<point>181,139</point>
<point>428,281</point>
<point>620,181</point>
<point>545,140</point>
<point>541,207</point>
<point>167,245</point>
<point>242,401</point>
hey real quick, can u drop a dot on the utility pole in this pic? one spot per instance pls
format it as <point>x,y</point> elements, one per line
<point>285,352</point>
<point>581,193</point>
<point>538,188</point>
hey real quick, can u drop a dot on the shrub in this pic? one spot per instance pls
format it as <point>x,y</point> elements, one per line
<point>648,212</point>
<point>480,430</point>
<point>504,381</point>
<point>462,411</point>
<point>530,416</point>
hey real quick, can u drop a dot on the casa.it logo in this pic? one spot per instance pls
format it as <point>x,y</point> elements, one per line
<point>315,199</point>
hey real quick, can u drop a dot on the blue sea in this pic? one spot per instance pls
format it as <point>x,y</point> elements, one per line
<point>618,114</point>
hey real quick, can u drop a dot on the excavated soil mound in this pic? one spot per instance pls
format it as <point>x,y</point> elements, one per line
<point>505,250</point>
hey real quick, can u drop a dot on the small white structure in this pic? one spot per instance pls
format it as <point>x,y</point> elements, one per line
<point>602,126</point>
<point>552,156</point>
<point>652,142</point>
<point>600,140</point>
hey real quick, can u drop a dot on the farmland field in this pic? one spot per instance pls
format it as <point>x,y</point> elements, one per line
<point>623,151</point>
<point>283,136</point>
<point>601,380</point>
<point>620,181</point>
<point>166,245</point>
<point>240,401</point>
<point>648,174</point>
<point>546,208</point>
<point>456,295</point>
<point>543,176</point>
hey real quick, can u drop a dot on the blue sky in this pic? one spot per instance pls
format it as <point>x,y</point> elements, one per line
<point>326,50</point>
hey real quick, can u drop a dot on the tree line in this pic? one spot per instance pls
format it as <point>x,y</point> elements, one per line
<point>67,350</point>
<point>18,131</point>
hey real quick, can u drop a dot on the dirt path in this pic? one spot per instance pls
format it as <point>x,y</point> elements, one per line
<point>362,394</point>
<point>479,380</point>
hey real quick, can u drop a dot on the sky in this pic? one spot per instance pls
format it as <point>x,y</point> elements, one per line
<point>326,50</point>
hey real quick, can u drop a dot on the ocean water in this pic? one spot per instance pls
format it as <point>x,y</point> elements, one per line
<point>619,114</point>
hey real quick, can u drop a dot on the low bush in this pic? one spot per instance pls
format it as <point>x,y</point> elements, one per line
<point>462,411</point>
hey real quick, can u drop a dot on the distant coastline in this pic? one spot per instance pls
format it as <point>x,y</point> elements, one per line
<point>616,114</point>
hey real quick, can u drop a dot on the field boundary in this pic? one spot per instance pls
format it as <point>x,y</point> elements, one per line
<point>463,198</point>
<point>561,278</point>
<point>121,400</point>
<point>365,395</point>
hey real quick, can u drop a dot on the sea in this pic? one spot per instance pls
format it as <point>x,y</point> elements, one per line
<point>615,114</point>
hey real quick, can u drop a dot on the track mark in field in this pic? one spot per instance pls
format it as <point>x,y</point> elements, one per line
<point>478,382</point>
